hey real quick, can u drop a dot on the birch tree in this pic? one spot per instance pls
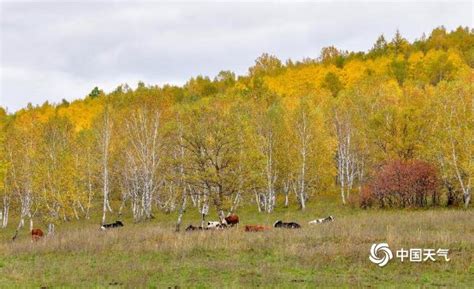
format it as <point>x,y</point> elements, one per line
<point>455,133</point>
<point>87,160</point>
<point>6,200</point>
<point>55,171</point>
<point>180,175</point>
<point>350,161</point>
<point>213,147</point>
<point>347,161</point>
<point>20,151</point>
<point>143,156</point>
<point>305,135</point>
<point>4,164</point>
<point>314,150</point>
<point>104,136</point>
<point>268,123</point>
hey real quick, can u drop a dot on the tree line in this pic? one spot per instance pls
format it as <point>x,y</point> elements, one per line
<point>282,133</point>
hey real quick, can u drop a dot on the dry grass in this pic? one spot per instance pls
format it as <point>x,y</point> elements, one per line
<point>336,254</point>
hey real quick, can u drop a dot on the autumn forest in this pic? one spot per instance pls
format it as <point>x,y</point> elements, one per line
<point>363,126</point>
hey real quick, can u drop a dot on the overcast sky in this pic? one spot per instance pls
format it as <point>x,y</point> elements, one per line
<point>52,50</point>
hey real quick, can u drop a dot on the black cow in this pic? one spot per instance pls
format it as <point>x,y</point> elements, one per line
<point>193,228</point>
<point>290,225</point>
<point>117,224</point>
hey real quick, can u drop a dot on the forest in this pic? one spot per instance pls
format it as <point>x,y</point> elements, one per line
<point>352,124</point>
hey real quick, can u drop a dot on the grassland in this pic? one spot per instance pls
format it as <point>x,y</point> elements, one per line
<point>331,255</point>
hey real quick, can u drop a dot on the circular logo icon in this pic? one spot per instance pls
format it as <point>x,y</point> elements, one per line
<point>380,254</point>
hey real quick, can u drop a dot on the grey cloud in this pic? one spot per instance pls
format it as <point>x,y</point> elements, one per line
<point>53,50</point>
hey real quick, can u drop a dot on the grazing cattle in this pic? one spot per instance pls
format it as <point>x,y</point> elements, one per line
<point>322,220</point>
<point>232,220</point>
<point>36,234</point>
<point>256,228</point>
<point>191,228</point>
<point>194,228</point>
<point>290,225</point>
<point>215,225</point>
<point>210,226</point>
<point>117,224</point>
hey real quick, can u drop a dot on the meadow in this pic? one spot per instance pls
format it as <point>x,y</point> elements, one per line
<point>152,255</point>
<point>393,125</point>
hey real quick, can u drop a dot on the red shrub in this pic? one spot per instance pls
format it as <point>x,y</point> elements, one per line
<point>366,198</point>
<point>403,184</point>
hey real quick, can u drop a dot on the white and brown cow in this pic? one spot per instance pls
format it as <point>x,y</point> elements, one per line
<point>211,225</point>
<point>322,220</point>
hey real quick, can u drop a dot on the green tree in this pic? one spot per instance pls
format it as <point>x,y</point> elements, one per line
<point>331,81</point>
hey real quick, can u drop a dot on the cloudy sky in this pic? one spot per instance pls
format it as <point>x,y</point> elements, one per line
<point>55,50</point>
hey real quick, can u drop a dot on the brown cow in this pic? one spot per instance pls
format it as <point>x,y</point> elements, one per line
<point>36,234</point>
<point>256,228</point>
<point>232,220</point>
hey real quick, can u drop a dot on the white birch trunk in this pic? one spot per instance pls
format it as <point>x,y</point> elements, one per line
<point>51,229</point>
<point>348,167</point>
<point>5,211</point>
<point>105,142</point>
<point>181,210</point>
<point>305,139</point>
<point>465,185</point>
<point>144,159</point>
<point>257,200</point>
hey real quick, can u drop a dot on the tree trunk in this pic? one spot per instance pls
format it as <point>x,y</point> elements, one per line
<point>51,228</point>
<point>218,203</point>
<point>302,185</point>
<point>31,223</point>
<point>89,195</point>
<point>305,137</point>
<point>451,197</point>
<point>88,207</point>
<point>235,203</point>
<point>257,199</point>
<point>221,215</point>
<point>21,224</point>
<point>204,212</point>
<point>286,190</point>
<point>105,202</point>
<point>467,198</point>
<point>181,210</point>
<point>302,201</point>
<point>269,202</point>
<point>6,209</point>
<point>105,157</point>
<point>466,187</point>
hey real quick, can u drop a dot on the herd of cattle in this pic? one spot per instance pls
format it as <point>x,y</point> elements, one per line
<point>233,220</point>
<point>230,221</point>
